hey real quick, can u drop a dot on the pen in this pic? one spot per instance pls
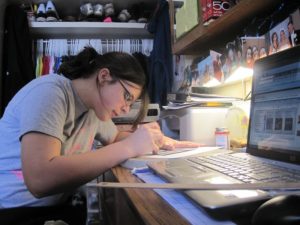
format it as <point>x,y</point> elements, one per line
<point>140,170</point>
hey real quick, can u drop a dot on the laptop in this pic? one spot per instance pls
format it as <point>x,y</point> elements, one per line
<point>273,147</point>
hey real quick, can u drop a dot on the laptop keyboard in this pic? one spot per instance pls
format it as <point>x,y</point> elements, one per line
<point>247,170</point>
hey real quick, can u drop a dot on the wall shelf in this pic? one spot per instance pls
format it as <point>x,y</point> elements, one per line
<point>51,30</point>
<point>222,30</point>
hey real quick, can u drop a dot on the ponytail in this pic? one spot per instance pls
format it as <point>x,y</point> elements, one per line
<point>81,65</point>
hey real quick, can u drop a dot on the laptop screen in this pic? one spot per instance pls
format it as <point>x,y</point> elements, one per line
<point>274,128</point>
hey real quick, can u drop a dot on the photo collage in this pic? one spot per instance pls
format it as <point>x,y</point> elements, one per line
<point>241,52</point>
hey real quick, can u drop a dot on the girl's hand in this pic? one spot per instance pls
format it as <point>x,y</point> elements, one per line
<point>171,144</point>
<point>147,138</point>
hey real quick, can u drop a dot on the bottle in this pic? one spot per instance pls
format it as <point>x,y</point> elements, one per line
<point>222,137</point>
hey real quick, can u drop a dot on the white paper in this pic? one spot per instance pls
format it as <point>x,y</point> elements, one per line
<point>142,161</point>
<point>178,153</point>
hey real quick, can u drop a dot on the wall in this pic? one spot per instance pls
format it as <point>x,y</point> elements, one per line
<point>238,89</point>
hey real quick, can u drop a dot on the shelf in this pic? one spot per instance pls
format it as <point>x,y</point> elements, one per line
<point>90,30</point>
<point>200,39</point>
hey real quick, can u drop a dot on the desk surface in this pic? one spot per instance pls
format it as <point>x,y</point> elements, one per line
<point>150,206</point>
<point>153,209</point>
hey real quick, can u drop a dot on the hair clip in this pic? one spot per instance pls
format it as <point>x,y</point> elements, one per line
<point>91,61</point>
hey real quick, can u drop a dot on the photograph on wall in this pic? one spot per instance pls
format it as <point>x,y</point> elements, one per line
<point>228,60</point>
<point>185,80</point>
<point>284,35</point>
<point>253,48</point>
<point>278,37</point>
<point>208,69</point>
<point>205,72</point>
<point>231,58</point>
<point>217,66</point>
<point>294,28</point>
<point>179,69</point>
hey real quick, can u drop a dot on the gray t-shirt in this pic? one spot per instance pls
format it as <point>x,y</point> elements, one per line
<point>51,106</point>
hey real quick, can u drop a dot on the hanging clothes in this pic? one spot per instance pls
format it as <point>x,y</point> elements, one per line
<point>161,62</point>
<point>144,61</point>
<point>17,66</point>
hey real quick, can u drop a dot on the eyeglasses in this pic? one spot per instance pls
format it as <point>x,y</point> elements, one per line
<point>127,96</point>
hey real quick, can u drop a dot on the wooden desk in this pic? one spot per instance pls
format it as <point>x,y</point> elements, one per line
<point>140,206</point>
<point>135,206</point>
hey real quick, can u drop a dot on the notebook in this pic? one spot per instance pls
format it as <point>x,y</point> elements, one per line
<point>273,148</point>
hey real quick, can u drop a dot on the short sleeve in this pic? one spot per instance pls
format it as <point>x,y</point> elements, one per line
<point>44,110</point>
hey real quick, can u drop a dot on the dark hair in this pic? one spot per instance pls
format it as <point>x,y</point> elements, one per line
<point>122,66</point>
